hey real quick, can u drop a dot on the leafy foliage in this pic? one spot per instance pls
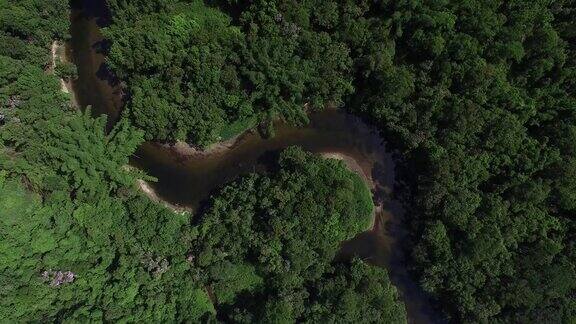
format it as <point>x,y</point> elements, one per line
<point>273,239</point>
<point>477,96</point>
<point>193,72</point>
<point>355,293</point>
<point>77,242</point>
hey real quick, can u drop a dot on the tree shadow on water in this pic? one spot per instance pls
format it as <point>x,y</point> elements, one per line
<point>106,74</point>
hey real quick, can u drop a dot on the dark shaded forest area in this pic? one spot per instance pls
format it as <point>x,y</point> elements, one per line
<point>477,98</point>
<point>477,95</point>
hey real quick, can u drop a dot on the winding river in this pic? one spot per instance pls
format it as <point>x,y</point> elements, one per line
<point>187,177</point>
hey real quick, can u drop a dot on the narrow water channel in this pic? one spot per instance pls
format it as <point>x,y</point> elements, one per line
<point>189,179</point>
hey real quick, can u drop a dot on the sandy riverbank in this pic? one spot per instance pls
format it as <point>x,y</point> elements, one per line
<point>220,148</point>
<point>354,166</point>
<point>58,54</point>
<point>147,189</point>
<point>185,149</point>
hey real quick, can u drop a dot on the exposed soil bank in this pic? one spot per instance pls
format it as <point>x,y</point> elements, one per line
<point>59,55</point>
<point>353,165</point>
<point>149,191</point>
<point>183,148</point>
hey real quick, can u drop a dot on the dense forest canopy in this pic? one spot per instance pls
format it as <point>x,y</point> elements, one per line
<point>199,75</point>
<point>266,243</point>
<point>476,96</point>
<point>479,98</point>
<point>79,243</point>
<point>483,105</point>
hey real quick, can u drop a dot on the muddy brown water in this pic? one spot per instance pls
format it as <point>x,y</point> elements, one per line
<point>188,180</point>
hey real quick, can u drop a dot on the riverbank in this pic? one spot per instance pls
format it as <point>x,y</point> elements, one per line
<point>184,149</point>
<point>95,86</point>
<point>221,148</point>
<point>354,165</point>
<point>59,56</point>
<point>147,189</point>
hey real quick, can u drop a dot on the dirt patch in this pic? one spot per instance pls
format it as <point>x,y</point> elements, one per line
<point>147,189</point>
<point>353,165</point>
<point>185,149</point>
<point>58,54</point>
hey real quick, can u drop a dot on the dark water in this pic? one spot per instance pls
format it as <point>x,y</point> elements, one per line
<point>95,86</point>
<point>187,180</point>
